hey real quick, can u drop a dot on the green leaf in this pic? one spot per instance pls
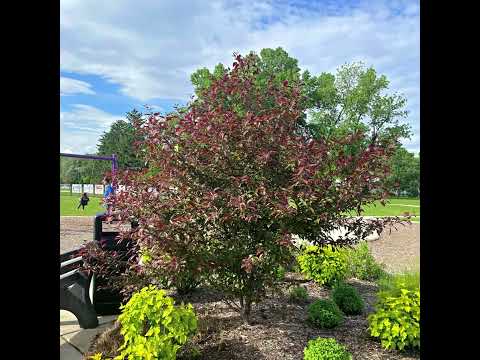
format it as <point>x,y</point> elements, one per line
<point>292,203</point>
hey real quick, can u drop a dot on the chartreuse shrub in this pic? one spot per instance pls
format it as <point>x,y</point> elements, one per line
<point>348,299</point>
<point>362,265</point>
<point>152,327</point>
<point>298,294</point>
<point>396,321</point>
<point>325,265</point>
<point>390,285</point>
<point>324,314</point>
<point>325,349</point>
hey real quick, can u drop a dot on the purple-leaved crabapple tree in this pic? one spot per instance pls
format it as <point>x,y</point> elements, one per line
<point>234,177</point>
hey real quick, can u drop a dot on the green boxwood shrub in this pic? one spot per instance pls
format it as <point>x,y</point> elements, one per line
<point>325,265</point>
<point>325,349</point>
<point>348,299</point>
<point>396,321</point>
<point>324,314</point>
<point>362,265</point>
<point>152,327</point>
<point>298,294</point>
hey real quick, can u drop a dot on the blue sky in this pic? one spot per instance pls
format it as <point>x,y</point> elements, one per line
<point>119,54</point>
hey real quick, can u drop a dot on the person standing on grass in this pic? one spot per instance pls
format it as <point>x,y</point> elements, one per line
<point>107,182</point>
<point>83,201</point>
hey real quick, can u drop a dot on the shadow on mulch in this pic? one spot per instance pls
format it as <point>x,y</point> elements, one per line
<point>232,349</point>
<point>198,296</point>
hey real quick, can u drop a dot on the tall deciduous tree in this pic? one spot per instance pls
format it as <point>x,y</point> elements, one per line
<point>351,100</point>
<point>233,183</point>
<point>355,98</point>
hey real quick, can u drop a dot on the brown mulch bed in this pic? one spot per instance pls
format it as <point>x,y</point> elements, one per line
<point>279,327</point>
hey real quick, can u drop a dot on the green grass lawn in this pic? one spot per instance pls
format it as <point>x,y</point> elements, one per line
<point>405,201</point>
<point>69,203</point>
<point>393,207</point>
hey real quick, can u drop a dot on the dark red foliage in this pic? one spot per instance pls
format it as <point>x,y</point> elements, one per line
<point>230,181</point>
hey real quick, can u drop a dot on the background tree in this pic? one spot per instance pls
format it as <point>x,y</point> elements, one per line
<point>354,99</point>
<point>77,171</point>
<point>405,173</point>
<point>234,181</point>
<point>120,140</point>
<point>273,66</point>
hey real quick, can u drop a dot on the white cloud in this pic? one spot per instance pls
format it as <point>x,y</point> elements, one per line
<point>81,128</point>
<point>150,48</point>
<point>69,86</point>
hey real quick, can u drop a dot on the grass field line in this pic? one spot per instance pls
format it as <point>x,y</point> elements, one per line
<point>415,219</point>
<point>76,216</point>
<point>381,216</point>
<point>417,206</point>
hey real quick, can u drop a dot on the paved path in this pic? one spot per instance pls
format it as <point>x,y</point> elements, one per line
<point>75,341</point>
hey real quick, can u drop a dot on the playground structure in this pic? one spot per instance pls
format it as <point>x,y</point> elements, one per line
<point>112,158</point>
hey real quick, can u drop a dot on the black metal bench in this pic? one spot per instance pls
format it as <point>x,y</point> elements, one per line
<point>87,296</point>
<point>75,290</point>
<point>107,301</point>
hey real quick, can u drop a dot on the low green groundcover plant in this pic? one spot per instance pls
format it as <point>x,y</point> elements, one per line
<point>325,349</point>
<point>153,327</point>
<point>362,265</point>
<point>325,265</point>
<point>348,299</point>
<point>324,314</point>
<point>396,321</point>
<point>298,294</point>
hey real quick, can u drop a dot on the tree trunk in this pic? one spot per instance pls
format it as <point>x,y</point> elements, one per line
<point>246,309</point>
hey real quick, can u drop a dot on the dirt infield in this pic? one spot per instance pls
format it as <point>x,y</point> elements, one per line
<point>75,231</point>
<point>400,249</point>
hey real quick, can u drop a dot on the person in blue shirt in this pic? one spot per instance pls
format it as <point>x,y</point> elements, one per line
<point>108,186</point>
<point>107,182</point>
